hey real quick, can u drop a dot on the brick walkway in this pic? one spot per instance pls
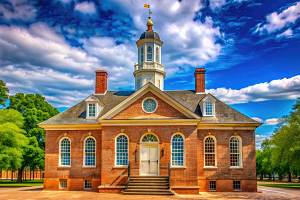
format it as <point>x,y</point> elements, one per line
<point>37,193</point>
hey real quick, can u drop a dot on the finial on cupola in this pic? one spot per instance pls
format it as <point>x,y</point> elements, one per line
<point>149,22</point>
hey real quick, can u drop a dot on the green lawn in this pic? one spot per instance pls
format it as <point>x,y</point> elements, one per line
<point>282,185</point>
<point>9,183</point>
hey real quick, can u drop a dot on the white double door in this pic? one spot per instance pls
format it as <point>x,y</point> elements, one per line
<point>149,162</point>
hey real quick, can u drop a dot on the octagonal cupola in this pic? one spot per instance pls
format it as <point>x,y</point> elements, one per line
<point>149,67</point>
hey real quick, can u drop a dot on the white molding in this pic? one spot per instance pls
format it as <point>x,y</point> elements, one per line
<point>216,159</point>
<point>213,103</point>
<point>115,163</point>
<point>83,164</point>
<point>59,152</point>
<point>153,100</point>
<point>184,156</point>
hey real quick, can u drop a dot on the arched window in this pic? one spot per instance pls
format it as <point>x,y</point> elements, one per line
<point>210,152</point>
<point>235,152</point>
<point>121,150</point>
<point>149,53</point>
<point>177,150</point>
<point>157,55</point>
<point>65,152</point>
<point>89,152</point>
<point>149,138</point>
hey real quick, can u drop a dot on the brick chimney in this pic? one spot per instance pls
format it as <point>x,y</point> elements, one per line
<point>101,82</point>
<point>200,80</point>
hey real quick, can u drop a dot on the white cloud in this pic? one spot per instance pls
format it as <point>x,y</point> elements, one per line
<point>286,88</point>
<point>259,139</point>
<point>216,4</point>
<point>279,21</point>
<point>185,41</point>
<point>37,59</point>
<point>86,7</point>
<point>258,119</point>
<point>273,121</point>
<point>17,10</point>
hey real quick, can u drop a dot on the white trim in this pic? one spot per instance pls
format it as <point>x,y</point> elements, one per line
<point>240,152</point>
<point>184,157</point>
<point>213,105</point>
<point>215,141</point>
<point>153,100</point>
<point>59,152</point>
<point>83,164</point>
<point>88,110</point>
<point>121,166</point>
<point>158,152</point>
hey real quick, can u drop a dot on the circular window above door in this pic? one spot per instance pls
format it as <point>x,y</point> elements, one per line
<point>149,105</point>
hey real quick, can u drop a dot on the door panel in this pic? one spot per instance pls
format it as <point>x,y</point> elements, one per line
<point>149,159</point>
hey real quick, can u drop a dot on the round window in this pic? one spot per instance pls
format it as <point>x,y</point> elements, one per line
<point>149,105</point>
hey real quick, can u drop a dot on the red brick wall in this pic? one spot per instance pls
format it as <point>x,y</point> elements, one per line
<point>76,173</point>
<point>135,110</point>
<point>101,82</point>
<point>193,176</point>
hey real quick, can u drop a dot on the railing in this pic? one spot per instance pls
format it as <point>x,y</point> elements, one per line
<point>128,171</point>
<point>169,174</point>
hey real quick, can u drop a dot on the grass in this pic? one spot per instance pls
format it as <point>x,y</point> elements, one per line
<point>282,185</point>
<point>9,183</point>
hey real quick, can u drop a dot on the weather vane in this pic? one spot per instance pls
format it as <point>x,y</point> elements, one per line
<point>147,6</point>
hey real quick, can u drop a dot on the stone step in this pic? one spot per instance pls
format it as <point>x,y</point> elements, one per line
<point>147,193</point>
<point>146,177</point>
<point>148,186</point>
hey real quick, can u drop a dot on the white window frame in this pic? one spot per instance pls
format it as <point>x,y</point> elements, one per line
<point>88,110</point>
<point>87,188</point>
<point>204,107</point>
<point>204,152</point>
<point>184,157</point>
<point>240,152</point>
<point>59,153</point>
<point>157,54</point>
<point>89,166</point>
<point>152,53</point>
<point>116,165</point>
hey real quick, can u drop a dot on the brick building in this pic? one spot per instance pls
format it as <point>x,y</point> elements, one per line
<point>150,140</point>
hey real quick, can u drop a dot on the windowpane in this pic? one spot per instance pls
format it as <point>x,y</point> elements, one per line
<point>149,53</point>
<point>65,150</point>
<point>208,108</point>
<point>90,152</point>
<point>63,183</point>
<point>92,110</point>
<point>177,150</point>
<point>237,185</point>
<point>122,150</point>
<point>87,184</point>
<point>212,186</point>
<point>209,149</point>
<point>142,54</point>
<point>234,146</point>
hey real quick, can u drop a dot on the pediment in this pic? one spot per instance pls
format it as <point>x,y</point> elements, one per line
<point>167,107</point>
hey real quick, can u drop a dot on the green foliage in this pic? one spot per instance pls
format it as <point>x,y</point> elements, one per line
<point>3,93</point>
<point>12,142</point>
<point>281,153</point>
<point>33,107</point>
<point>12,116</point>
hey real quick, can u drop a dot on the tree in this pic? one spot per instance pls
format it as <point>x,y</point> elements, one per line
<point>12,139</point>
<point>34,109</point>
<point>286,141</point>
<point>3,93</point>
<point>263,159</point>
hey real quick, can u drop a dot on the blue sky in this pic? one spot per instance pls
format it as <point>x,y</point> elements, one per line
<point>250,49</point>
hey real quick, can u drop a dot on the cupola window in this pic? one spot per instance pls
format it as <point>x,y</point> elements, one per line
<point>149,53</point>
<point>142,54</point>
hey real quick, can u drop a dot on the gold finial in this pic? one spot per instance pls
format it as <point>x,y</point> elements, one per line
<point>149,22</point>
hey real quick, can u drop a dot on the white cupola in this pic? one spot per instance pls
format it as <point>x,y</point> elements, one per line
<point>149,67</point>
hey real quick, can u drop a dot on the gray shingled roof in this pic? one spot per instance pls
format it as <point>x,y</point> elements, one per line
<point>188,98</point>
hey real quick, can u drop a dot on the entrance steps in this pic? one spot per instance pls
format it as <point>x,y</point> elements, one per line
<point>148,185</point>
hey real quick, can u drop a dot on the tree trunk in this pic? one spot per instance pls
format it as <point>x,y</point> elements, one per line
<point>290,177</point>
<point>20,175</point>
<point>33,173</point>
<point>261,177</point>
<point>12,175</point>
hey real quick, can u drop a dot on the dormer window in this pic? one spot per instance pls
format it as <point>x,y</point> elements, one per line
<point>92,110</point>
<point>208,107</point>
